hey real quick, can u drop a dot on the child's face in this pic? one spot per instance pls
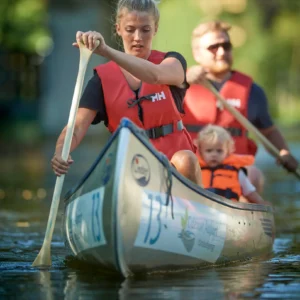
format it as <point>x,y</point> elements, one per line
<point>213,154</point>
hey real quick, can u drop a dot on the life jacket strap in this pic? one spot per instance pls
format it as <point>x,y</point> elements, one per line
<point>160,131</point>
<point>227,193</point>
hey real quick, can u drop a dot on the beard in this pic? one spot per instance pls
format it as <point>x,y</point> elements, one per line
<point>220,67</point>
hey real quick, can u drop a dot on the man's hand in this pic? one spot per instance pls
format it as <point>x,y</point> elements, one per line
<point>195,75</point>
<point>288,161</point>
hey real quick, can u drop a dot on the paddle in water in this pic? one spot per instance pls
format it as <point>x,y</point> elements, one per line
<point>44,257</point>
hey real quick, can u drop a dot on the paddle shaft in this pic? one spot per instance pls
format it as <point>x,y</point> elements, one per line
<point>44,256</point>
<point>66,148</point>
<point>249,126</point>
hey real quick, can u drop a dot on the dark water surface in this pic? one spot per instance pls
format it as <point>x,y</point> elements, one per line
<point>25,196</point>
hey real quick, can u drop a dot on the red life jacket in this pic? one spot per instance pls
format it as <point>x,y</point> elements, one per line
<point>223,179</point>
<point>201,109</point>
<point>160,114</point>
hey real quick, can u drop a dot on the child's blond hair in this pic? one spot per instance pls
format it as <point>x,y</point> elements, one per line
<point>212,134</point>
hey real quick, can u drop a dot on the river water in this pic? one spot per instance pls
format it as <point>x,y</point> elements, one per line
<point>25,195</point>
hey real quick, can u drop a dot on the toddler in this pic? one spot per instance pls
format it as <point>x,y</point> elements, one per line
<point>223,172</point>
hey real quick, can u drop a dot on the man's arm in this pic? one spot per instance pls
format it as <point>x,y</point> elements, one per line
<point>275,137</point>
<point>258,115</point>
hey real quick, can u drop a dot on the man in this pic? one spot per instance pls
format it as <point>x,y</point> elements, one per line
<point>212,50</point>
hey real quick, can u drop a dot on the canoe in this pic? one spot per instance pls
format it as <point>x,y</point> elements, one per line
<point>133,213</point>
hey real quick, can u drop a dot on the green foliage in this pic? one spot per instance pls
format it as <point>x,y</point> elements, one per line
<point>174,33</point>
<point>23,26</point>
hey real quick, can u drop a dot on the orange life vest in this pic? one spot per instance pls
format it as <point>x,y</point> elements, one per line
<point>155,103</point>
<point>223,179</point>
<point>201,109</point>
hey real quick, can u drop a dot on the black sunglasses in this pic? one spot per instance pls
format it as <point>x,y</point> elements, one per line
<point>227,46</point>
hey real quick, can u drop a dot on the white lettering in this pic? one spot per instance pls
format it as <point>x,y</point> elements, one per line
<point>234,102</point>
<point>154,98</point>
<point>161,96</point>
<point>158,96</point>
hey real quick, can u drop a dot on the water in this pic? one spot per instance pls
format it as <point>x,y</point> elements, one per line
<point>23,215</point>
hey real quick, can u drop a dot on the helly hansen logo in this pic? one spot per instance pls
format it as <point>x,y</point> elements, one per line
<point>158,96</point>
<point>234,102</point>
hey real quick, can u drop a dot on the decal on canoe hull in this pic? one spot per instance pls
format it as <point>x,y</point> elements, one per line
<point>196,230</point>
<point>85,228</point>
<point>140,170</point>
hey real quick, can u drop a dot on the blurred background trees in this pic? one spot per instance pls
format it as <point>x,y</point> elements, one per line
<point>264,33</point>
<point>25,40</point>
<point>23,25</point>
<point>38,69</point>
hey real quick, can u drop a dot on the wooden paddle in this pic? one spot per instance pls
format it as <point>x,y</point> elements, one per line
<point>268,145</point>
<point>44,257</point>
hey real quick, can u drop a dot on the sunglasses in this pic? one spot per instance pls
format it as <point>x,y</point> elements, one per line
<point>227,46</point>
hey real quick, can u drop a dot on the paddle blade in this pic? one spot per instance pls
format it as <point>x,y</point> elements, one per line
<point>43,260</point>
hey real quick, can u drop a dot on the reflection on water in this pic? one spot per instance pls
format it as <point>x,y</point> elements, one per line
<point>23,216</point>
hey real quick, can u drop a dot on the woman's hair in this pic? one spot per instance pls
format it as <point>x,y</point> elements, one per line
<point>212,26</point>
<point>212,134</point>
<point>148,6</point>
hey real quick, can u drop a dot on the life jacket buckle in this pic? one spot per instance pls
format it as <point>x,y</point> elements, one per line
<point>160,131</point>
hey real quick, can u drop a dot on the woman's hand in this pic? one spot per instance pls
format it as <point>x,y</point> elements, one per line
<point>59,166</point>
<point>89,39</point>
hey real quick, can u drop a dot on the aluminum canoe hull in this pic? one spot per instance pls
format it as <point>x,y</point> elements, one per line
<point>133,213</point>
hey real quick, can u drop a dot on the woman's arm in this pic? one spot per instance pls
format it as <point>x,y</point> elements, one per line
<point>83,120</point>
<point>169,71</point>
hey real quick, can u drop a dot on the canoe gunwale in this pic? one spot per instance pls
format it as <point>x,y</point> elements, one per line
<point>121,265</point>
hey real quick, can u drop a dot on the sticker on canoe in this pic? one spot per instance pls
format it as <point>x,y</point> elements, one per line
<point>84,225</point>
<point>196,230</point>
<point>140,169</point>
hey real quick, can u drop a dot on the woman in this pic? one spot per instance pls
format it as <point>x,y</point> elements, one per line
<point>144,85</point>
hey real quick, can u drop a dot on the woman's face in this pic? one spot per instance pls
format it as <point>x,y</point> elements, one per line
<point>137,30</point>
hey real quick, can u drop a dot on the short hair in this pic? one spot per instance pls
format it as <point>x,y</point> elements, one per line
<point>213,134</point>
<point>212,26</point>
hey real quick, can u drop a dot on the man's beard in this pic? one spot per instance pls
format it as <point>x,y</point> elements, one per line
<point>220,67</point>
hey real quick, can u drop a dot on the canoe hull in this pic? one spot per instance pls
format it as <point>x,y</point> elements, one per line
<point>133,213</point>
